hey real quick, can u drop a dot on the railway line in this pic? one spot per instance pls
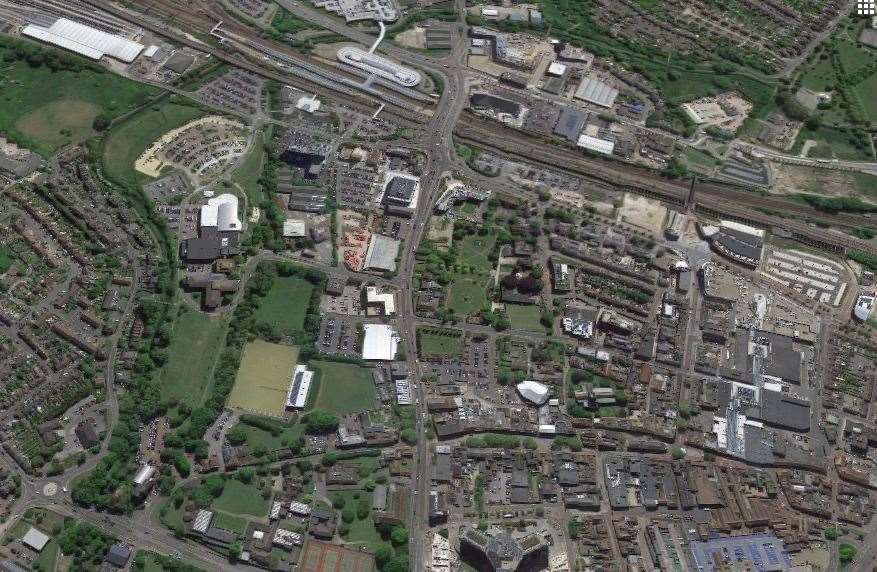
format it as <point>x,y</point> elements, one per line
<point>345,96</point>
<point>709,198</point>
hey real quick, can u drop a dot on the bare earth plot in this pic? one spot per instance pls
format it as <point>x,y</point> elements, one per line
<point>263,378</point>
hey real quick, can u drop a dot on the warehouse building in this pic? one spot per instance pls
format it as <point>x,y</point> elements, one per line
<point>299,387</point>
<point>570,124</point>
<point>595,91</point>
<point>382,253</point>
<point>379,342</point>
<point>85,40</point>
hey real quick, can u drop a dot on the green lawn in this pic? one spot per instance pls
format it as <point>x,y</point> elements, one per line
<point>467,294</point>
<point>260,438</point>
<point>46,110</point>
<point>248,172</point>
<point>241,498</point>
<point>439,342</point>
<point>152,563</point>
<point>46,559</point>
<point>129,139</point>
<point>362,532</point>
<point>342,387</point>
<point>5,260</point>
<point>833,144</point>
<point>230,523</point>
<point>867,92</point>
<point>196,341</point>
<point>475,250</point>
<point>263,376</point>
<point>696,157</point>
<point>286,304</point>
<point>525,317</point>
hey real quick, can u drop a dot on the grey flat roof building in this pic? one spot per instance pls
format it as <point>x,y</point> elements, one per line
<point>570,124</point>
<point>400,190</point>
<point>596,92</point>
<point>497,104</point>
<point>381,254</point>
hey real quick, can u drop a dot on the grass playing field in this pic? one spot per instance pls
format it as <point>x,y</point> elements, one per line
<point>129,139</point>
<point>195,344</point>
<point>263,378</point>
<point>286,304</point>
<point>467,293</point>
<point>439,342</point>
<point>46,110</point>
<point>241,498</point>
<point>342,387</point>
<point>236,524</point>
<point>524,317</point>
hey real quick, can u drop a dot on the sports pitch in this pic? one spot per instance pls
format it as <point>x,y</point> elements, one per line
<point>263,378</point>
<point>324,557</point>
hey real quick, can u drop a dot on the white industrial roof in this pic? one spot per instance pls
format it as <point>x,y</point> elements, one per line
<point>744,228</point>
<point>293,228</point>
<point>221,212</point>
<point>301,508</point>
<point>202,521</point>
<point>596,144</point>
<point>44,35</point>
<point>382,252</point>
<point>596,92</point>
<point>380,342</point>
<point>35,539</point>
<point>372,296</point>
<point>299,386</point>
<point>308,103</point>
<point>533,391</point>
<point>151,51</point>
<point>144,474</point>
<point>556,68</point>
<point>85,40</point>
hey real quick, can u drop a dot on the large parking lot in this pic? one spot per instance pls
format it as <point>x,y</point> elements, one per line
<point>339,336</point>
<point>476,365</point>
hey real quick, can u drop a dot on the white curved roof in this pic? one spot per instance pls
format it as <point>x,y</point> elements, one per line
<point>533,391</point>
<point>85,40</point>
<point>221,212</point>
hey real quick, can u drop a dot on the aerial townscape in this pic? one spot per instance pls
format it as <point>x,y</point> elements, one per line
<point>438,285</point>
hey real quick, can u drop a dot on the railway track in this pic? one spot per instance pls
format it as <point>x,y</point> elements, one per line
<point>709,198</point>
<point>482,134</point>
<point>357,101</point>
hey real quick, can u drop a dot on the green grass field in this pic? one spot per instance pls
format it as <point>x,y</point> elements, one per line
<point>525,317</point>
<point>5,260</point>
<point>342,387</point>
<point>833,144</point>
<point>467,294</point>
<point>241,498</point>
<point>48,556</point>
<point>263,378</point>
<point>475,250</point>
<point>260,438</point>
<point>362,531</point>
<point>698,158</point>
<point>247,174</point>
<point>286,304</point>
<point>432,342</point>
<point>867,92</point>
<point>129,139</point>
<point>46,110</point>
<point>196,341</point>
<point>236,524</point>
